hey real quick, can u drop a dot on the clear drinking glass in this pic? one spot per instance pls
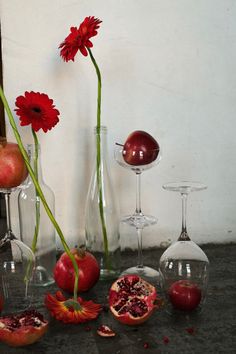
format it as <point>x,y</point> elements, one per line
<point>184,267</point>
<point>138,219</point>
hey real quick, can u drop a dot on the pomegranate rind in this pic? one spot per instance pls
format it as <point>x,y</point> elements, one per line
<point>22,336</point>
<point>147,295</point>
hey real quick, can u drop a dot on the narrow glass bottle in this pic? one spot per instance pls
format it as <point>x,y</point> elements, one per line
<point>36,229</point>
<point>101,212</point>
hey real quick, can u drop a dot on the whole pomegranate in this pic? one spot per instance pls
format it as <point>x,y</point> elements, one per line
<point>131,299</point>
<point>22,329</point>
<point>89,271</point>
<point>13,170</point>
<point>140,148</point>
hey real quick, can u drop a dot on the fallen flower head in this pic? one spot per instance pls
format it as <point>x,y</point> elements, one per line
<point>71,311</point>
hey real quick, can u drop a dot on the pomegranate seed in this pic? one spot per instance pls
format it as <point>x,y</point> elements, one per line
<point>190,330</point>
<point>146,345</point>
<point>88,328</point>
<point>105,308</point>
<point>166,340</point>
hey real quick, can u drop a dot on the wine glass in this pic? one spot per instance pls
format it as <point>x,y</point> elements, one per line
<point>138,220</point>
<point>184,267</point>
<point>17,264</point>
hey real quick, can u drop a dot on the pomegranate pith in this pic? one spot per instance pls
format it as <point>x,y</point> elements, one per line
<point>131,299</point>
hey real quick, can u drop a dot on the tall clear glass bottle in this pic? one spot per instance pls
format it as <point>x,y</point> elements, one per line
<point>101,212</point>
<point>36,225</point>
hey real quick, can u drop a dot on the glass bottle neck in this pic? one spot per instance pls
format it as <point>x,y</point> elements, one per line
<point>35,160</point>
<point>101,139</point>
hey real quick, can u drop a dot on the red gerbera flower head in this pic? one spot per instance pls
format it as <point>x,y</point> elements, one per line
<point>78,39</point>
<point>71,311</point>
<point>38,110</point>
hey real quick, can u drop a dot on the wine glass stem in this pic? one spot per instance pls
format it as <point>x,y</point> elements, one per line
<point>184,234</point>
<point>8,213</point>
<point>138,193</point>
<point>140,248</point>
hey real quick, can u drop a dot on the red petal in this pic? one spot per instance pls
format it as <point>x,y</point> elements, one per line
<point>60,296</point>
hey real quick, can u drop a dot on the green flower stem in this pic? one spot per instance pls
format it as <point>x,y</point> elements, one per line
<point>98,160</point>
<point>39,190</point>
<point>37,202</point>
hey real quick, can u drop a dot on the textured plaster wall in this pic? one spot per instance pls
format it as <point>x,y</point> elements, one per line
<point>168,67</point>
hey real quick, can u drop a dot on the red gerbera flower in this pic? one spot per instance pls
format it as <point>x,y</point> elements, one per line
<point>38,110</point>
<point>70,311</point>
<point>78,39</point>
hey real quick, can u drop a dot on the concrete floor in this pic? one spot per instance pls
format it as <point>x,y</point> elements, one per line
<point>214,330</point>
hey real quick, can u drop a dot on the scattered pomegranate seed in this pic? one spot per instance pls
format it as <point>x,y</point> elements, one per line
<point>88,328</point>
<point>166,340</point>
<point>105,308</point>
<point>146,345</point>
<point>190,330</point>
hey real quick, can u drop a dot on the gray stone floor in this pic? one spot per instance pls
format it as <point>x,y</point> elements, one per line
<point>214,329</point>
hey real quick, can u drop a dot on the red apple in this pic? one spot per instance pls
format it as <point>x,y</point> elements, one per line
<point>13,170</point>
<point>184,295</point>
<point>140,148</point>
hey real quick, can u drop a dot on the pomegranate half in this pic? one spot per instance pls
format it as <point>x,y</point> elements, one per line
<point>132,299</point>
<point>22,329</point>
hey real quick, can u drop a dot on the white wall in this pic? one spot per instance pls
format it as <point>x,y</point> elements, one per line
<point>168,67</point>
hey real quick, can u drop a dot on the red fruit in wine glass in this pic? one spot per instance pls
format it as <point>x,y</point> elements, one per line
<point>184,295</point>
<point>140,148</point>
<point>13,170</point>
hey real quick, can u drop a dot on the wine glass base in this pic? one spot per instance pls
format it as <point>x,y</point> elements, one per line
<point>139,221</point>
<point>175,313</point>
<point>145,272</point>
<point>42,278</point>
<point>184,186</point>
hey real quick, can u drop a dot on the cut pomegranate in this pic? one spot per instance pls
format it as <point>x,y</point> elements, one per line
<point>22,329</point>
<point>105,331</point>
<point>131,299</point>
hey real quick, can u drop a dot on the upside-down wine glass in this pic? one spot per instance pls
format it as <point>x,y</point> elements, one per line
<point>138,220</point>
<point>17,263</point>
<point>184,267</point>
